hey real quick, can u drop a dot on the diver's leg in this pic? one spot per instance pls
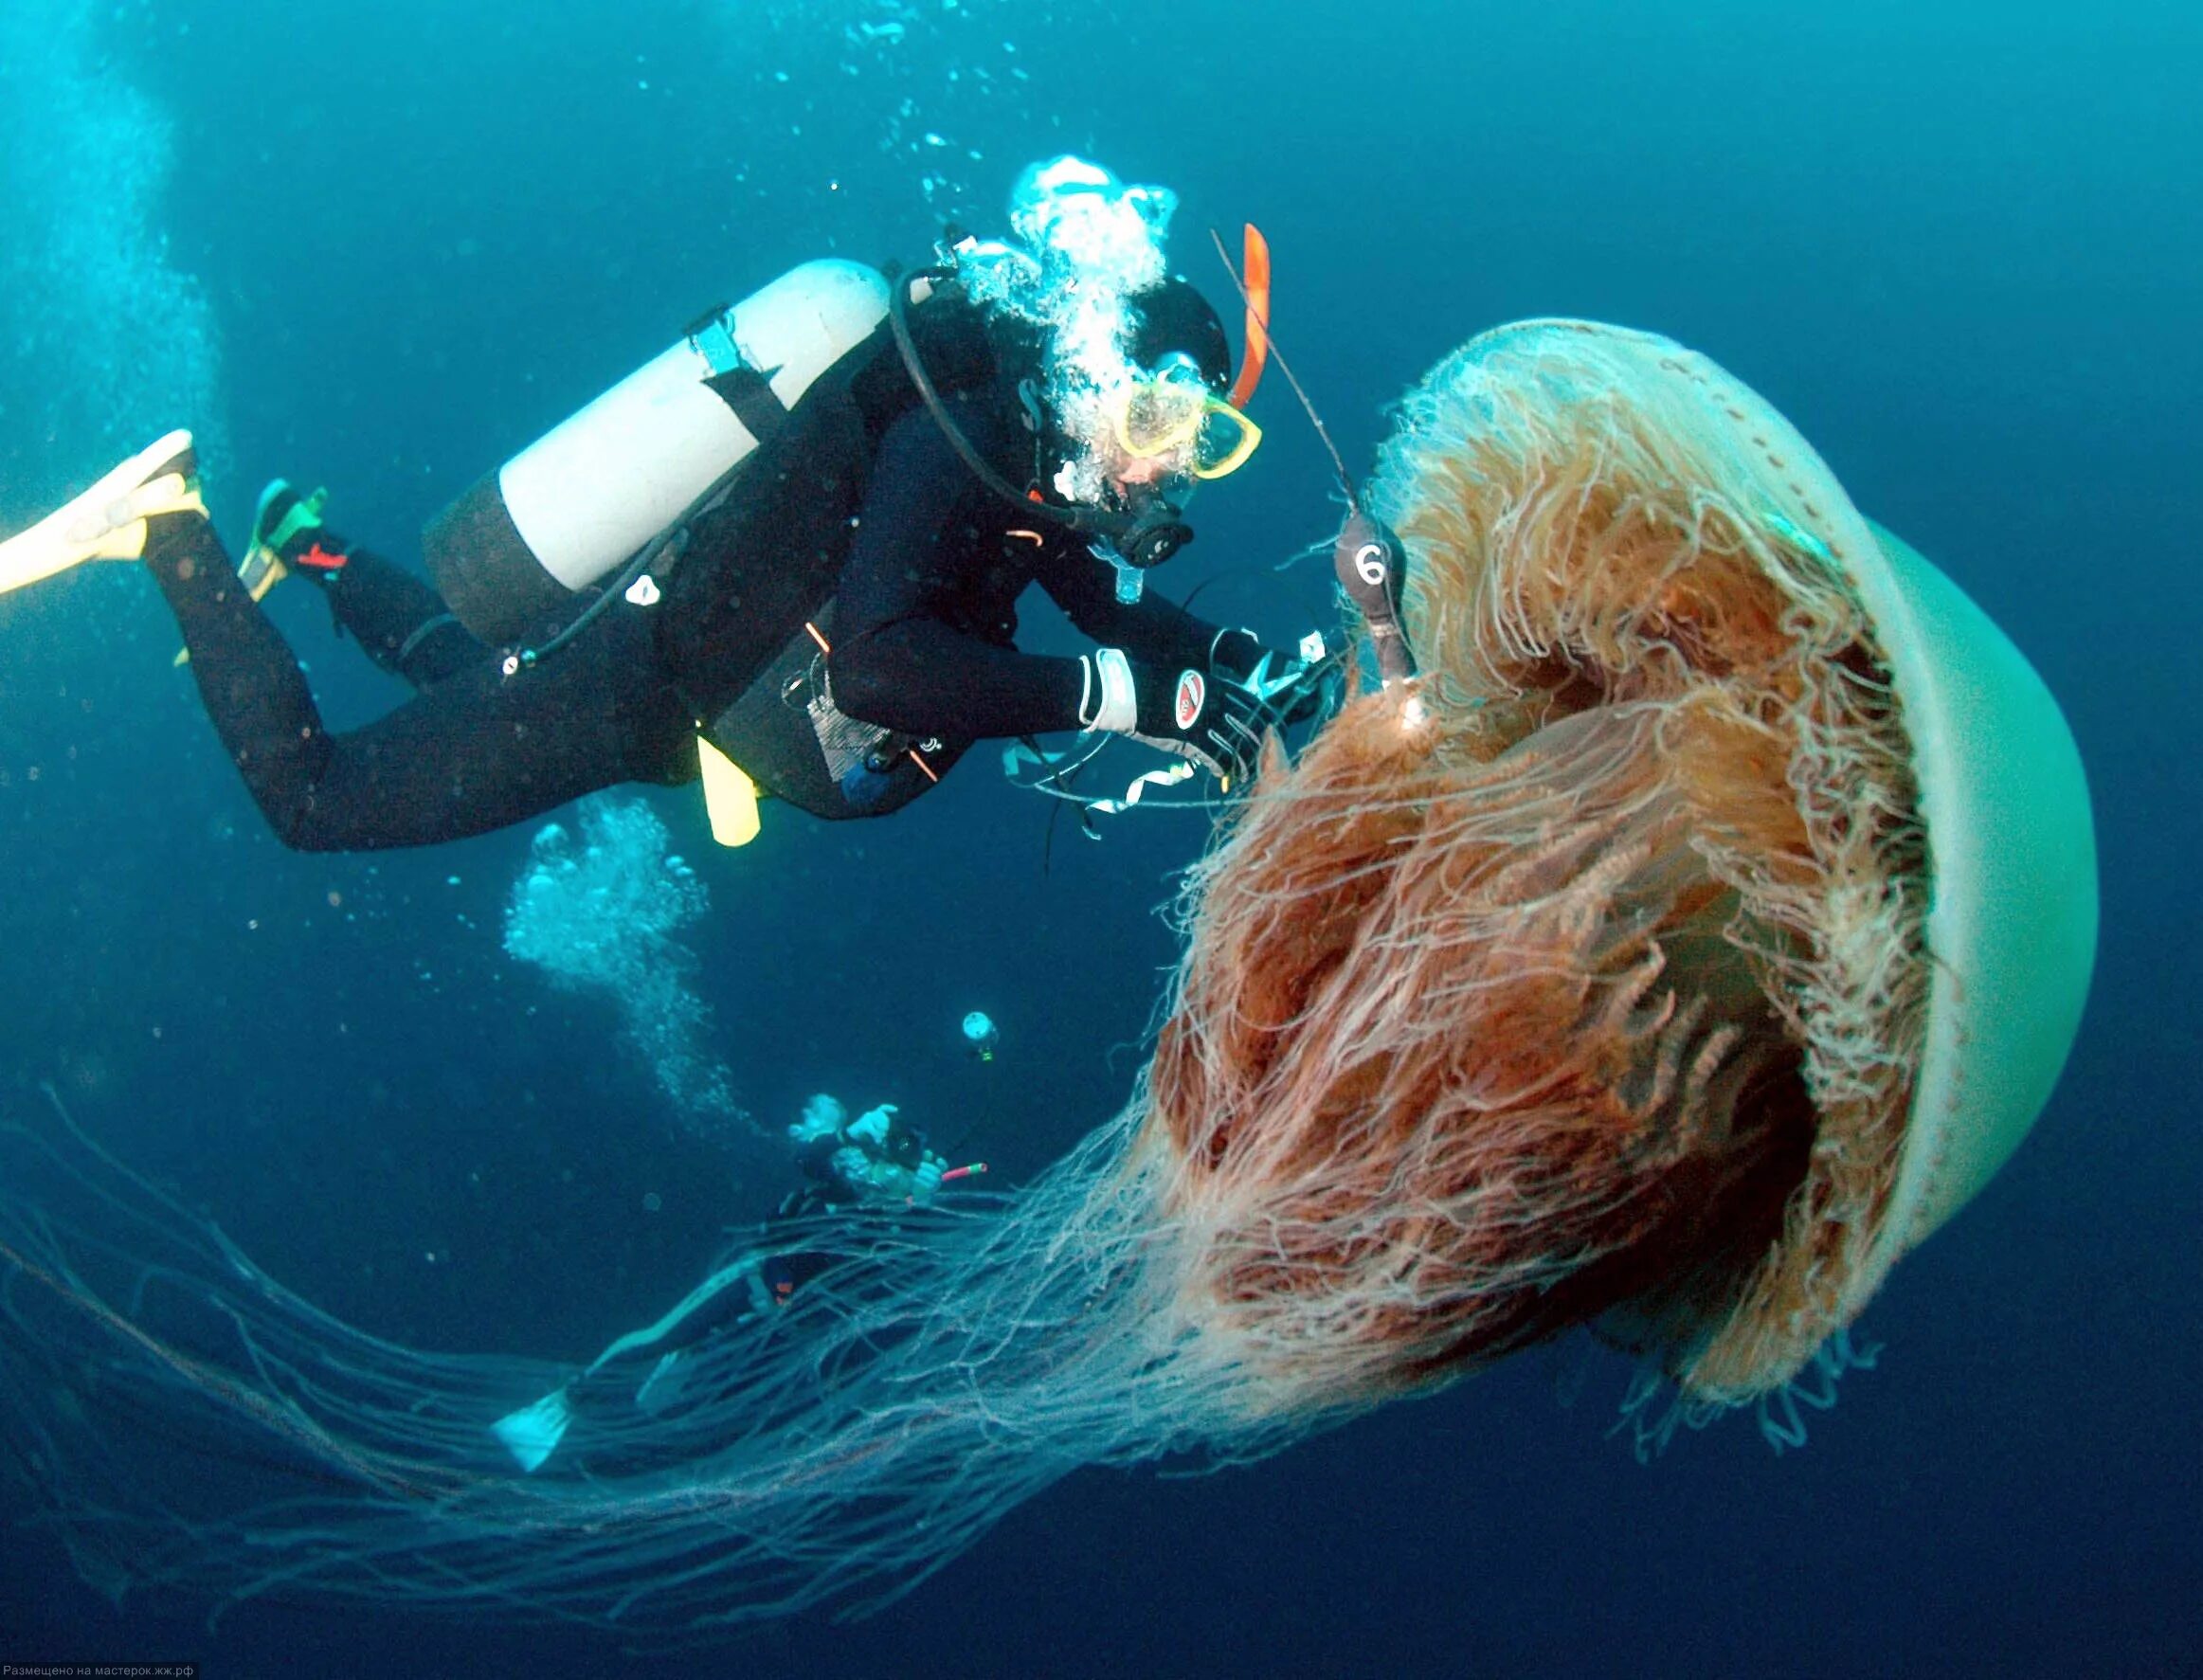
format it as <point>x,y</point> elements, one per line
<point>642,1370</point>
<point>476,752</point>
<point>399,622</point>
<point>482,750</point>
<point>729,1293</point>
<point>254,692</point>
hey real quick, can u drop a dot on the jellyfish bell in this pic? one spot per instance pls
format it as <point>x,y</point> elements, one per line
<point>2013,921</point>
<point>1702,931</point>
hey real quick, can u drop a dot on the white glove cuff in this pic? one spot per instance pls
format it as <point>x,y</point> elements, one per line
<point>1106,701</point>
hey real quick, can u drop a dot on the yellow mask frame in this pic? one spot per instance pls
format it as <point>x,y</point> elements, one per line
<point>1161,415</point>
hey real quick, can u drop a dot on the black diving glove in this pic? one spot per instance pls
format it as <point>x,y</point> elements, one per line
<point>1199,715</point>
<point>1291,686</point>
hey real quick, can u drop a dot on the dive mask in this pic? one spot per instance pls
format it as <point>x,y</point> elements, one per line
<point>1171,416</point>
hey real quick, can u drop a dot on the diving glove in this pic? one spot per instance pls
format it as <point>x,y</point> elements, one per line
<point>1205,717</point>
<point>1291,687</point>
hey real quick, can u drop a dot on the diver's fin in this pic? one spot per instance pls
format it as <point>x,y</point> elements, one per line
<point>108,521</point>
<point>532,1434</point>
<point>282,515</point>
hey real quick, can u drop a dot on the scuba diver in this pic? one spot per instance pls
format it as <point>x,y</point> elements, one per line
<point>782,557</point>
<point>876,1164</point>
<point>876,1157</point>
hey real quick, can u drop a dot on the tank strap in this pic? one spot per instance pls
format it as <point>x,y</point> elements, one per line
<point>756,405</point>
<point>742,387</point>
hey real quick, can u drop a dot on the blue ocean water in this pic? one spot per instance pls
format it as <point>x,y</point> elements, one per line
<point>1958,244</point>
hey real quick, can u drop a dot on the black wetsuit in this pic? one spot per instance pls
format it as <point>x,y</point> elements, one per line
<point>859,498</point>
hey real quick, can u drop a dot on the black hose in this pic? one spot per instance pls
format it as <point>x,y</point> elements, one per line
<point>1086,521</point>
<point>674,536</point>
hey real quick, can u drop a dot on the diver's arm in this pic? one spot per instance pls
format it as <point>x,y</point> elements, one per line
<point>920,677</point>
<point>896,663</point>
<point>1152,629</point>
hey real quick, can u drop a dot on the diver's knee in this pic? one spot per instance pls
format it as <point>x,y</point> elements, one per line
<point>299,827</point>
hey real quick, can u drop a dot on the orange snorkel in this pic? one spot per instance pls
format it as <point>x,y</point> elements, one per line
<point>1255,286</point>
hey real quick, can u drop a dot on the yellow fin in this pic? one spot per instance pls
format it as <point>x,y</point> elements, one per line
<point>107,522</point>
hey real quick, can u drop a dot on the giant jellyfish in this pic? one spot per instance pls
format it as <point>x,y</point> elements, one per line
<point>1700,928</point>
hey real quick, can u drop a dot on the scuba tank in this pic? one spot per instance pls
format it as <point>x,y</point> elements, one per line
<point>513,553</point>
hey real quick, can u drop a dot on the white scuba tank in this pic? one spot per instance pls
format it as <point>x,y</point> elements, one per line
<point>511,554</point>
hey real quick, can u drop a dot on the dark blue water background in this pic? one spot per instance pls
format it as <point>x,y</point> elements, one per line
<point>1957,243</point>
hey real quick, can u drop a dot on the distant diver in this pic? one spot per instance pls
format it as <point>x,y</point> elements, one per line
<point>785,556</point>
<point>877,1162</point>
